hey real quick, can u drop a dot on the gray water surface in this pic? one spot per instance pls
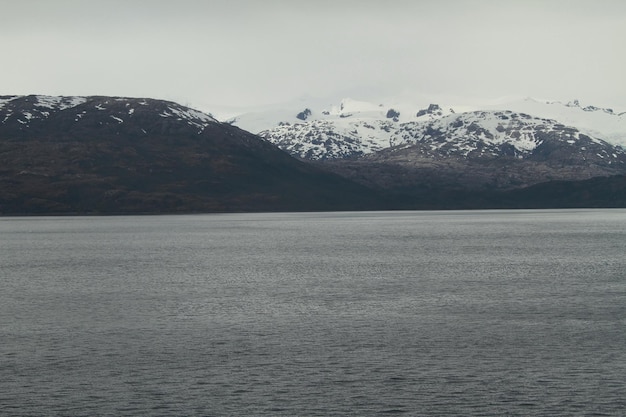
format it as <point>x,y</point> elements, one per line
<point>515,313</point>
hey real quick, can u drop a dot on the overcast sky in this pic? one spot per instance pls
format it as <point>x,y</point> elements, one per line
<point>209,53</point>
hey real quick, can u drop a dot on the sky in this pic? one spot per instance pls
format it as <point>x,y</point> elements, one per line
<point>213,54</point>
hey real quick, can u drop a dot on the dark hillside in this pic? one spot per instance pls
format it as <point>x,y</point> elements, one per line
<point>120,155</point>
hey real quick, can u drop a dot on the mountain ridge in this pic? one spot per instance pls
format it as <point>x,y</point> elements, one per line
<point>406,148</point>
<point>117,155</point>
<point>600,122</point>
<point>132,155</point>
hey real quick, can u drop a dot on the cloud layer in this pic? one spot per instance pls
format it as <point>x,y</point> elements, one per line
<point>248,52</point>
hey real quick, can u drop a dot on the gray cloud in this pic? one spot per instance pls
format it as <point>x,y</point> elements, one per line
<point>211,53</point>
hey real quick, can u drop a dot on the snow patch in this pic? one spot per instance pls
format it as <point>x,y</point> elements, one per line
<point>59,102</point>
<point>193,117</point>
<point>5,100</point>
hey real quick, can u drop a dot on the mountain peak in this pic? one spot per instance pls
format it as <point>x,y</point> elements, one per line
<point>24,112</point>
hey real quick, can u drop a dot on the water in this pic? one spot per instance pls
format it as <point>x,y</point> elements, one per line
<point>514,313</point>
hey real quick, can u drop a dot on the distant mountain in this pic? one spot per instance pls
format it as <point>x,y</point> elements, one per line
<point>405,147</point>
<point>135,155</point>
<point>599,122</point>
<point>352,128</point>
<point>496,150</point>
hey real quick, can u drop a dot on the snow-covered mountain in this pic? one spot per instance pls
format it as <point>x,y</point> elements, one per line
<point>349,129</point>
<point>600,122</point>
<point>33,110</point>
<point>498,133</point>
<point>400,145</point>
<point>353,128</point>
<point>498,149</point>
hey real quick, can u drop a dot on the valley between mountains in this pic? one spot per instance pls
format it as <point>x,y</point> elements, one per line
<point>114,155</point>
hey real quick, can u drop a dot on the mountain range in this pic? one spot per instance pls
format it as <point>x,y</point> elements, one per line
<point>104,155</point>
<point>407,147</point>
<point>601,122</point>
